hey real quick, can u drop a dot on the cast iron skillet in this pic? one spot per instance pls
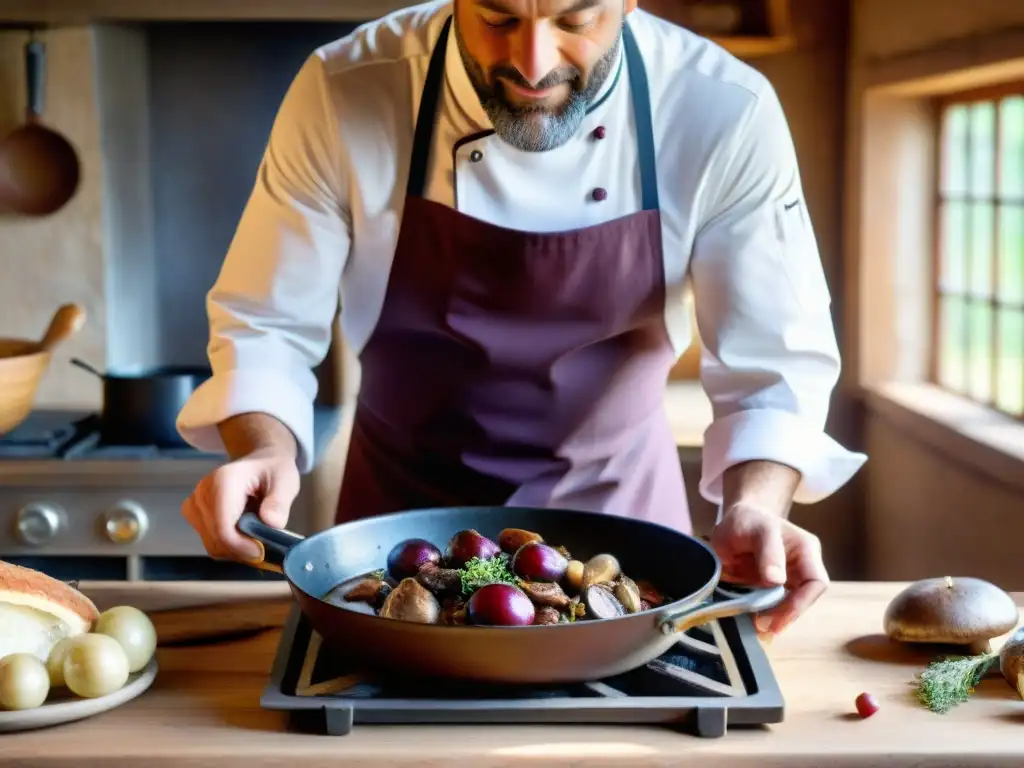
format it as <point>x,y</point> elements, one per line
<point>678,565</point>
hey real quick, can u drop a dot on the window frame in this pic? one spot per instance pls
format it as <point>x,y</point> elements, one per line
<point>994,93</point>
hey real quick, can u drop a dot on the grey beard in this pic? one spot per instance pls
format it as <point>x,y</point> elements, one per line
<point>532,129</point>
<point>536,130</point>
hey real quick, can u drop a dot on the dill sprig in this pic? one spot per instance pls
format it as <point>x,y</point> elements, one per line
<point>478,573</point>
<point>950,681</point>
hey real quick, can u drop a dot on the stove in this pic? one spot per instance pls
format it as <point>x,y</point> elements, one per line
<point>70,435</point>
<point>716,676</point>
<point>77,508</point>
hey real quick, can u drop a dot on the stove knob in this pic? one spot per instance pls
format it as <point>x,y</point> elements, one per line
<point>125,523</point>
<point>37,523</point>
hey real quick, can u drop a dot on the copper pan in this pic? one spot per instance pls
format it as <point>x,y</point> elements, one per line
<point>39,169</point>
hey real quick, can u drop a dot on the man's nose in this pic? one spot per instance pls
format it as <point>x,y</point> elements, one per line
<point>535,52</point>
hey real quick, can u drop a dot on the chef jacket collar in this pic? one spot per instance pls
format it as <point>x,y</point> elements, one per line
<point>467,100</point>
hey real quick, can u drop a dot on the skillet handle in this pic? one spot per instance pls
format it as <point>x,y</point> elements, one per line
<point>273,542</point>
<point>35,78</point>
<point>754,601</point>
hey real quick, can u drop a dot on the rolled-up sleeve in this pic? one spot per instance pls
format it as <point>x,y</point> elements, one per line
<point>272,306</point>
<point>770,360</point>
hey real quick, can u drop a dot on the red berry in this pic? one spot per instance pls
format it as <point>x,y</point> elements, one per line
<point>866,705</point>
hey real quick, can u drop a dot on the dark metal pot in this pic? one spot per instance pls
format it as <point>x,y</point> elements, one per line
<point>677,564</point>
<point>142,408</point>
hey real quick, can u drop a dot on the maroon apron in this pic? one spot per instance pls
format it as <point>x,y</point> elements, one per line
<point>519,368</point>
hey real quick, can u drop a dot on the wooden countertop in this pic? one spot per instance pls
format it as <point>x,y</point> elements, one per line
<point>204,707</point>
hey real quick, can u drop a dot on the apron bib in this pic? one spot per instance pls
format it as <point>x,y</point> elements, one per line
<point>519,368</point>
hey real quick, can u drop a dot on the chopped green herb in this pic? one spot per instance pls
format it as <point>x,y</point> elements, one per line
<point>479,573</point>
<point>950,681</point>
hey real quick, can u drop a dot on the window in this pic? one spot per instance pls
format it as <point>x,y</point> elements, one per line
<point>978,339</point>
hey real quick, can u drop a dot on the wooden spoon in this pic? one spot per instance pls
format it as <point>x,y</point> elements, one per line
<point>66,322</point>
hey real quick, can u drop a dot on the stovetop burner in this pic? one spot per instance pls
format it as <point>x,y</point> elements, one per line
<point>716,676</point>
<point>41,435</point>
<point>69,435</point>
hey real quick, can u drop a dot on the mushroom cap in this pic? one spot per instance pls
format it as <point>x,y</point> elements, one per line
<point>1011,660</point>
<point>948,610</point>
<point>1012,652</point>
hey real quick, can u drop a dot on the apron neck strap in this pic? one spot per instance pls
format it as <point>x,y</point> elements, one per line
<point>429,103</point>
<point>639,94</point>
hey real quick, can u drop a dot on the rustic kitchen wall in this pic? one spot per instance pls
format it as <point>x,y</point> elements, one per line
<point>214,89</point>
<point>811,83</point>
<point>47,262</point>
<point>934,505</point>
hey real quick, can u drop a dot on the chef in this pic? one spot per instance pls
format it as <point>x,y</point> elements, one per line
<point>509,197</point>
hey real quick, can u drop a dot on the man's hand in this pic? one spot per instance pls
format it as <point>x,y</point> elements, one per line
<point>262,452</point>
<point>217,503</point>
<point>762,548</point>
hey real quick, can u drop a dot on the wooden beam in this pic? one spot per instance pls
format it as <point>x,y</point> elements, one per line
<point>23,13</point>
<point>88,11</point>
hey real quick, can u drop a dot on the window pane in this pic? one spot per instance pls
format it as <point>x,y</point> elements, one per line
<point>1011,361</point>
<point>979,374</point>
<point>954,151</point>
<point>981,226</point>
<point>1011,126</point>
<point>953,277</point>
<point>982,149</point>
<point>952,343</point>
<point>1011,254</point>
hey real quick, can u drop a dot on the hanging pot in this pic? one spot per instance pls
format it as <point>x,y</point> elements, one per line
<point>39,168</point>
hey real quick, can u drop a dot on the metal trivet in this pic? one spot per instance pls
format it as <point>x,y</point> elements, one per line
<point>716,676</point>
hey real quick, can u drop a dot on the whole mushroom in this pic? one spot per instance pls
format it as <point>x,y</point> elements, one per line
<point>952,611</point>
<point>1011,661</point>
<point>411,601</point>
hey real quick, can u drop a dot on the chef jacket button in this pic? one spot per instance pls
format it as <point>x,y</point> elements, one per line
<point>599,194</point>
<point>600,132</point>
<point>476,156</point>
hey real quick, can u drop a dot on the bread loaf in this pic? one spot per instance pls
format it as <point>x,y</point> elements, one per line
<point>38,611</point>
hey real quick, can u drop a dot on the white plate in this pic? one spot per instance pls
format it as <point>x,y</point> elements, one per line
<point>64,707</point>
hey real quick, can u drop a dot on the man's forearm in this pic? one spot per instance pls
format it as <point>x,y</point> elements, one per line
<point>763,485</point>
<point>249,432</point>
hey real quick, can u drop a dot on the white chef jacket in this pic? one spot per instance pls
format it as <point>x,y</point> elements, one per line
<point>324,216</point>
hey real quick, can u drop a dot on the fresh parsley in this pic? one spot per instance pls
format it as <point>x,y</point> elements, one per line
<point>479,573</point>
<point>950,681</point>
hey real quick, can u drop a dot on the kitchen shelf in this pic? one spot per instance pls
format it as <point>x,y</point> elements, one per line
<point>754,47</point>
<point>14,13</point>
<point>772,21</point>
<point>67,12</point>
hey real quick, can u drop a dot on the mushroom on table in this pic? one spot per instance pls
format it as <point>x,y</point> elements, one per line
<point>951,611</point>
<point>1011,661</point>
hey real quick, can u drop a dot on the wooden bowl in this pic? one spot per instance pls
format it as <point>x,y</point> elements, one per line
<point>23,364</point>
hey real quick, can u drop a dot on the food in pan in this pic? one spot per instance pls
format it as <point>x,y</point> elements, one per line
<point>52,637</point>
<point>519,581</point>
<point>407,559</point>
